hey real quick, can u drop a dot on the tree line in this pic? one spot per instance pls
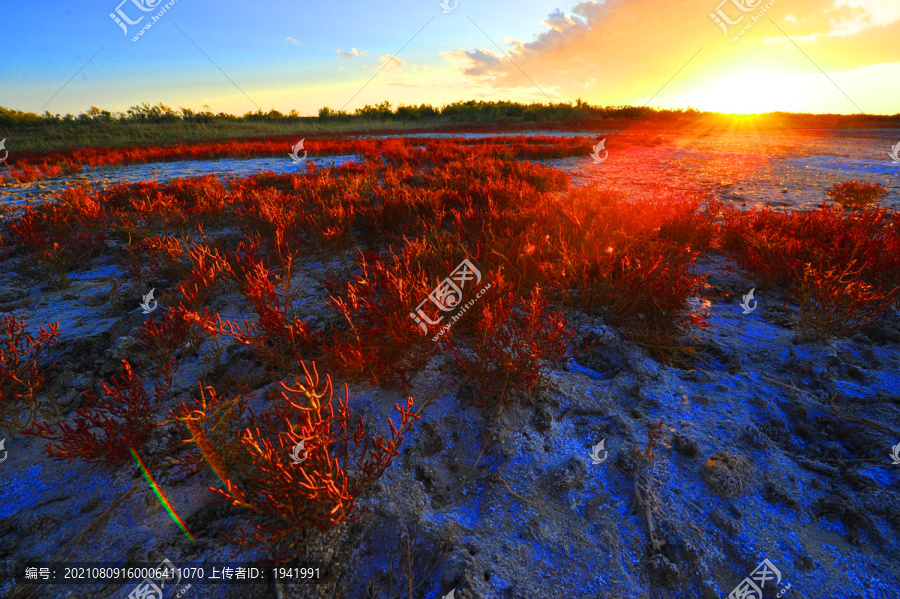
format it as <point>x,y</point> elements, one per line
<point>462,112</point>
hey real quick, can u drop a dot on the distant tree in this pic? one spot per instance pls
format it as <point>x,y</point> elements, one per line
<point>379,111</point>
<point>10,117</point>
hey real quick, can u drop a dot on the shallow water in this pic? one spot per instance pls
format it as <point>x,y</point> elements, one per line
<point>165,171</point>
<point>789,169</point>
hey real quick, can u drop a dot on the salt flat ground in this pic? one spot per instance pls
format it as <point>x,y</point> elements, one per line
<point>789,169</point>
<point>811,424</point>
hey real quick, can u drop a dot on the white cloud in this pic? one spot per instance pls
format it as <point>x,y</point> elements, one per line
<point>352,53</point>
<point>392,62</point>
<point>475,62</point>
<point>869,13</point>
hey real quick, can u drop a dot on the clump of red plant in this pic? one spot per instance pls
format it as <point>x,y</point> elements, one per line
<point>380,343</point>
<point>645,288</point>
<point>207,264</point>
<point>278,337</point>
<point>284,491</point>
<point>179,329</point>
<point>843,267</point>
<point>21,376</point>
<point>633,262</point>
<point>837,303</point>
<point>57,238</point>
<point>513,341</point>
<point>855,195</point>
<point>122,418</point>
<point>775,247</point>
<point>156,258</point>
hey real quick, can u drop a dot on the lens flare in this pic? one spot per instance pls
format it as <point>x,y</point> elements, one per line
<point>159,494</point>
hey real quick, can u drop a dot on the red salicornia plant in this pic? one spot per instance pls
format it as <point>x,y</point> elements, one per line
<point>122,417</point>
<point>21,375</point>
<point>843,267</point>
<point>178,330</point>
<point>837,303</point>
<point>380,342</point>
<point>278,337</point>
<point>286,490</point>
<point>855,195</point>
<point>514,340</point>
<point>198,285</point>
<point>58,238</point>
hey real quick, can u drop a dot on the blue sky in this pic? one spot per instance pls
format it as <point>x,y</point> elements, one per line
<point>285,55</point>
<point>51,41</point>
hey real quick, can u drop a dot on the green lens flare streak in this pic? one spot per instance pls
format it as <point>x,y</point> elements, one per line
<point>159,494</point>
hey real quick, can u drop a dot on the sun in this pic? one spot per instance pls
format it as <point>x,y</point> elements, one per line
<point>752,92</point>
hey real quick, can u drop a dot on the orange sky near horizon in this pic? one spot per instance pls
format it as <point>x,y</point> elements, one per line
<point>813,56</point>
<point>836,56</point>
